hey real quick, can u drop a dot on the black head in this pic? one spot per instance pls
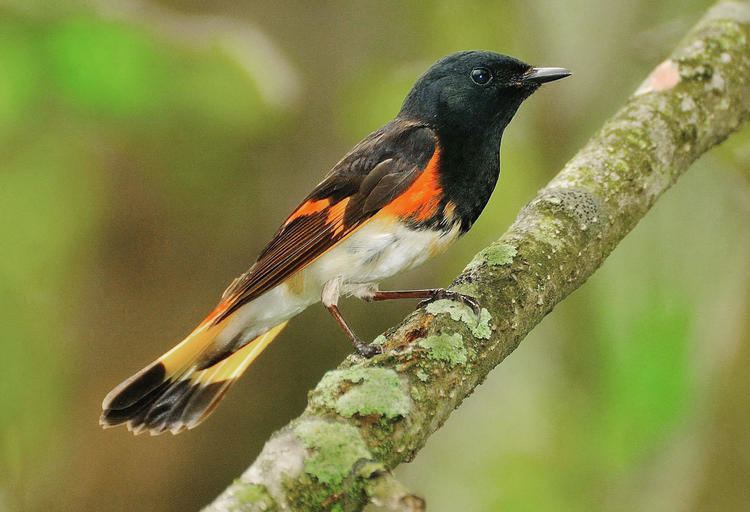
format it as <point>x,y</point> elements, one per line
<point>474,91</point>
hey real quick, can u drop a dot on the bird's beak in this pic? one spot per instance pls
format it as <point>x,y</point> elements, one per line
<point>544,75</point>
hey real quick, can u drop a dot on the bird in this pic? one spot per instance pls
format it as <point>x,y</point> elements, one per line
<point>403,194</point>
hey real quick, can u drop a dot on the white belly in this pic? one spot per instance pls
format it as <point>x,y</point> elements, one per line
<point>379,249</point>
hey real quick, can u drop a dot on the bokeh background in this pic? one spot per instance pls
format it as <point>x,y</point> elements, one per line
<point>149,149</point>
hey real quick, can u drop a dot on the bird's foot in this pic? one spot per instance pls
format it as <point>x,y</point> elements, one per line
<point>366,350</point>
<point>468,300</point>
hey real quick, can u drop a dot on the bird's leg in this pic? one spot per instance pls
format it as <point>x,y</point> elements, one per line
<point>330,298</point>
<point>429,294</point>
<point>362,348</point>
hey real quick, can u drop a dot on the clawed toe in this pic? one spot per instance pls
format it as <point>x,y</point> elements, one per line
<point>366,350</point>
<point>468,300</point>
<point>471,302</point>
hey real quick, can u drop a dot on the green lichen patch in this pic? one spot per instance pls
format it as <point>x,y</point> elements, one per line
<point>379,341</point>
<point>551,234</point>
<point>499,254</point>
<point>445,347</point>
<point>252,497</point>
<point>416,394</point>
<point>364,392</point>
<point>336,448</point>
<point>459,312</point>
<point>422,375</point>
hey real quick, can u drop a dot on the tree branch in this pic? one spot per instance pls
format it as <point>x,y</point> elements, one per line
<point>366,417</point>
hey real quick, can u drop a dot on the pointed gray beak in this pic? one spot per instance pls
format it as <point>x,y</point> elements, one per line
<point>544,75</point>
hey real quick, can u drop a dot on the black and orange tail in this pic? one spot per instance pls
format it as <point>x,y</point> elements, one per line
<point>175,392</point>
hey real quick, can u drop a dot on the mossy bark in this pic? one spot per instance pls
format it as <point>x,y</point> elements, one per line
<point>368,416</point>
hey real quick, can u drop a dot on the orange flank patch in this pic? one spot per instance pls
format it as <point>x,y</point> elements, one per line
<point>309,208</point>
<point>421,200</point>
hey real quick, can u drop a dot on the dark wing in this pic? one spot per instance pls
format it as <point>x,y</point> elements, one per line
<point>378,170</point>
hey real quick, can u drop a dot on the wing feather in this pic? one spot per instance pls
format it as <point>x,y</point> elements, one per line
<point>370,177</point>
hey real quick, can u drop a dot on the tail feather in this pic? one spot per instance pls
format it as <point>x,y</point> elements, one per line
<point>175,392</point>
<point>112,416</point>
<point>173,363</point>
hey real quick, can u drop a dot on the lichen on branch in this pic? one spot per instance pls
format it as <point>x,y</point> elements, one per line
<point>368,416</point>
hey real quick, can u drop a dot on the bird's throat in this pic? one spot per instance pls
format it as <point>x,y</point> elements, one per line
<point>470,167</point>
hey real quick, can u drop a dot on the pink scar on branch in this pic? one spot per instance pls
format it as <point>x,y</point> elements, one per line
<point>665,76</point>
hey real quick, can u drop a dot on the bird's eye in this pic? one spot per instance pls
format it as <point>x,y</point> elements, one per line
<point>481,76</point>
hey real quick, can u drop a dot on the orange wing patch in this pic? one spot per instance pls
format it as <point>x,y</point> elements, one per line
<point>308,208</point>
<point>213,315</point>
<point>336,216</point>
<point>421,200</point>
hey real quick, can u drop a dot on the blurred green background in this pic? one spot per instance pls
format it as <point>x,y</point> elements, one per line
<point>148,150</point>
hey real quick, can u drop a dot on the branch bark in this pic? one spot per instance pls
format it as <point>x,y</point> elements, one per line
<point>366,417</point>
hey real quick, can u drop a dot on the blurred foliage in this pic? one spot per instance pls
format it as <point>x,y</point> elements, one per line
<point>145,162</point>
